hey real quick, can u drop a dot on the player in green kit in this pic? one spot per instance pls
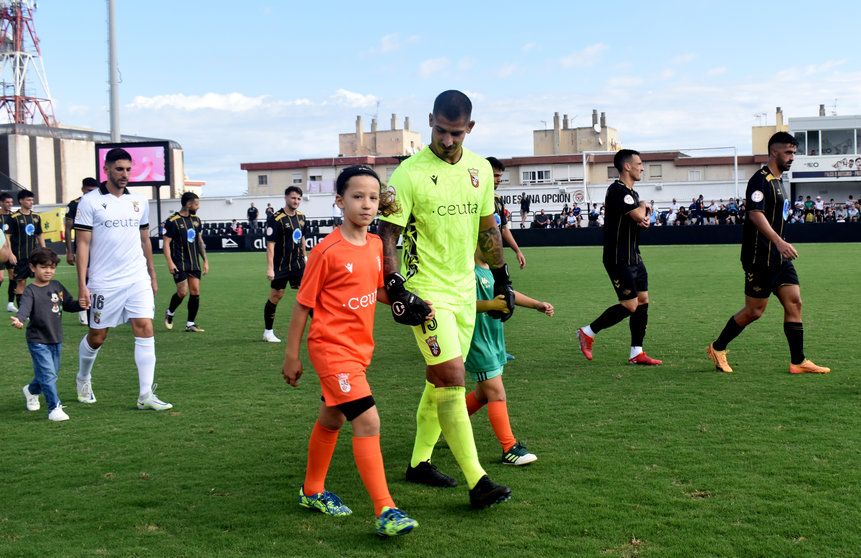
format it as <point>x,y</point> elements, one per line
<point>445,193</point>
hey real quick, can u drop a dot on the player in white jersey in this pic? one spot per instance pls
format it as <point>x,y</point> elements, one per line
<point>116,277</point>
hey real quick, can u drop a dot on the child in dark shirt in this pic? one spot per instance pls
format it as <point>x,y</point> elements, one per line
<point>43,302</point>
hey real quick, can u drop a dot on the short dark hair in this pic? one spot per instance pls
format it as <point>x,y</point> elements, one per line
<point>43,256</point>
<point>452,105</point>
<point>496,163</point>
<point>623,156</point>
<point>387,206</point>
<point>90,182</point>
<point>187,197</point>
<point>5,196</point>
<point>290,189</point>
<point>25,194</point>
<point>782,138</point>
<point>117,154</point>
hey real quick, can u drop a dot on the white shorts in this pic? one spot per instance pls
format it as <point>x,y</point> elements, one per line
<point>115,306</point>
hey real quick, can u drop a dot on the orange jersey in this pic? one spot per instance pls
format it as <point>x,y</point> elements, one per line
<point>340,284</point>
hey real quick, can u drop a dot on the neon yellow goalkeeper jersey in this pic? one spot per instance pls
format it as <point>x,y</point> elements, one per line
<point>440,208</point>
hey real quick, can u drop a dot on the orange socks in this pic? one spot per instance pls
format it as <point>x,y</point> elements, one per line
<point>320,450</point>
<point>497,412</point>
<point>472,404</point>
<point>369,461</point>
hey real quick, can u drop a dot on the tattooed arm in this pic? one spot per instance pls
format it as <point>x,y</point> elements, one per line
<point>490,242</point>
<point>389,234</point>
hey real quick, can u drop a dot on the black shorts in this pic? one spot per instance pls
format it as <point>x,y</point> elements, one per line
<point>280,283</point>
<point>181,275</point>
<point>628,280</point>
<point>760,282</point>
<point>22,270</point>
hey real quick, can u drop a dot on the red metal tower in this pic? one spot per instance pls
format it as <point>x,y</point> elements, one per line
<point>19,54</point>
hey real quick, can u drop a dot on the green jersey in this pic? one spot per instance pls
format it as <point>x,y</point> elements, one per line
<point>441,205</point>
<point>487,348</point>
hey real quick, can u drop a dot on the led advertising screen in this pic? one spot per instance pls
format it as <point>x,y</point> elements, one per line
<point>150,162</point>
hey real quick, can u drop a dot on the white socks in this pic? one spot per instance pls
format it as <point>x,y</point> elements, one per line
<point>86,359</point>
<point>145,361</point>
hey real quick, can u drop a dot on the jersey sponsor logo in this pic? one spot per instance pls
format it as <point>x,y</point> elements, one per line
<point>786,210</point>
<point>433,345</point>
<point>192,234</point>
<point>344,382</point>
<point>473,176</point>
<point>757,196</point>
<point>498,219</point>
<point>297,236</point>
<point>364,301</point>
<point>459,209</point>
<point>349,267</point>
<point>629,199</point>
<point>122,223</point>
<point>30,229</point>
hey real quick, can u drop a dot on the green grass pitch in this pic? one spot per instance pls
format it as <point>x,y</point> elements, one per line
<point>677,460</point>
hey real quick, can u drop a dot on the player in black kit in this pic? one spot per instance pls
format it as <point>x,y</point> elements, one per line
<point>285,254</point>
<point>625,217</point>
<point>183,249</point>
<point>767,260</point>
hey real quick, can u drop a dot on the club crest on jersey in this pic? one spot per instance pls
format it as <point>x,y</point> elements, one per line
<point>473,175</point>
<point>629,199</point>
<point>757,196</point>
<point>136,206</point>
<point>344,382</point>
<point>433,345</point>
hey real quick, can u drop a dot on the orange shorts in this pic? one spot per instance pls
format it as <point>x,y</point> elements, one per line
<point>344,387</point>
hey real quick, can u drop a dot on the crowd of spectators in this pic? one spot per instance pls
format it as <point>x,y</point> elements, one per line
<point>703,212</point>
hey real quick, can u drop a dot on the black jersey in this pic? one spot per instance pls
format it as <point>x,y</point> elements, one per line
<point>72,209</point>
<point>288,233</point>
<point>499,209</point>
<point>765,194</point>
<point>621,233</point>
<point>23,231</point>
<point>4,223</point>
<point>184,233</point>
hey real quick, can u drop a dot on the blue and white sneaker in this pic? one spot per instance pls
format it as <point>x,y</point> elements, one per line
<point>324,502</point>
<point>394,522</point>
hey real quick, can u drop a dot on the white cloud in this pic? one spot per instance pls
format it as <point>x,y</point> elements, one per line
<point>717,71</point>
<point>529,46</point>
<point>394,43</point>
<point>685,58</point>
<point>506,70</point>
<point>589,56</point>
<point>466,63</point>
<point>353,99</point>
<point>432,66</point>
<point>231,102</point>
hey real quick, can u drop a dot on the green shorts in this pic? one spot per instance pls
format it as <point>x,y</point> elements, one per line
<point>447,336</point>
<point>484,376</point>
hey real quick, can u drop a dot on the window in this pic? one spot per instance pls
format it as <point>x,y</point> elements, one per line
<point>695,175</point>
<point>812,143</point>
<point>505,178</point>
<point>801,138</point>
<point>655,172</point>
<point>315,178</point>
<point>297,178</point>
<point>612,173</point>
<point>262,180</point>
<point>838,142</point>
<point>536,176</point>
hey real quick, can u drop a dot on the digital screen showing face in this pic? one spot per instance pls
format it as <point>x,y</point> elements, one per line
<point>148,164</point>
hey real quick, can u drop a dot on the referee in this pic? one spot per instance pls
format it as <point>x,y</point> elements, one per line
<point>183,249</point>
<point>285,254</point>
<point>767,260</point>
<point>625,217</point>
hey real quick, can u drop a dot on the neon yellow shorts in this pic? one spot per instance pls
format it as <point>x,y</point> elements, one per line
<point>447,336</point>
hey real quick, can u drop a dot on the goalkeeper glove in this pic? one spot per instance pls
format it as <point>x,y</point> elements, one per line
<point>502,286</point>
<point>407,308</point>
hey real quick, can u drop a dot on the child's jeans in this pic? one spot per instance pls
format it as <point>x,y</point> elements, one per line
<point>46,363</point>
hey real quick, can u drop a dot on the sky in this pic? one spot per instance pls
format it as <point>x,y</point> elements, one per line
<point>256,81</point>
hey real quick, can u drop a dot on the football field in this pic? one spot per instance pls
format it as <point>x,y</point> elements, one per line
<point>675,460</point>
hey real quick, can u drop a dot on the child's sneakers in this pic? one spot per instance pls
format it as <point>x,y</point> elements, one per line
<point>324,502</point>
<point>58,414</point>
<point>32,400</point>
<point>394,522</point>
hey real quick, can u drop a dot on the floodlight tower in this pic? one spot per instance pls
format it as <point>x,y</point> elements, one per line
<point>19,55</point>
